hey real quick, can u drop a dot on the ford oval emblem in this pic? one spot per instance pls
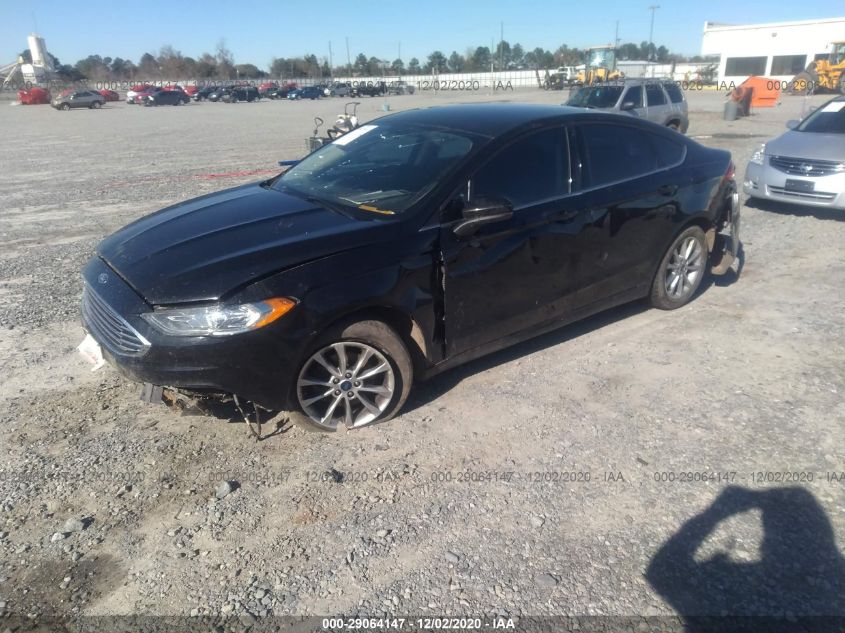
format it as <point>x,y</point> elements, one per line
<point>103,278</point>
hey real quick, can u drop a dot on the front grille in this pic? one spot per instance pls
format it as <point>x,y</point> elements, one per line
<point>806,167</point>
<point>109,328</point>
<point>807,195</point>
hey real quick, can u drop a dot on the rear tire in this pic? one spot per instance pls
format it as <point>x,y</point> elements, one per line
<point>96,105</point>
<point>681,270</point>
<point>317,393</point>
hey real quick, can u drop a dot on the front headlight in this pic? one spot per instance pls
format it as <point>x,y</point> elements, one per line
<point>759,155</point>
<point>218,319</point>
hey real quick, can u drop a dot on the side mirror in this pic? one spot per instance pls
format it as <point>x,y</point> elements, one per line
<point>482,211</point>
<point>627,105</point>
<point>792,123</point>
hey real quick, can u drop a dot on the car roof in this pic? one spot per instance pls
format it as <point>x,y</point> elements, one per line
<point>491,119</point>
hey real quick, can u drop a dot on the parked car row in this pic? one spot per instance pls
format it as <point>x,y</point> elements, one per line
<point>149,95</point>
<point>371,89</point>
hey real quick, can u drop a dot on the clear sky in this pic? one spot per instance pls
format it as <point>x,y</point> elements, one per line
<point>258,30</point>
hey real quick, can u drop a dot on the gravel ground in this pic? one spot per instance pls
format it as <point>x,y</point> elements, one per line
<point>546,479</point>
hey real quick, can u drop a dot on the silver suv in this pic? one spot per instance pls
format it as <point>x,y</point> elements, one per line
<point>339,90</point>
<point>660,101</point>
<point>78,99</point>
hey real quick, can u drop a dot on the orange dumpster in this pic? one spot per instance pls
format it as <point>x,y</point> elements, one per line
<point>765,91</point>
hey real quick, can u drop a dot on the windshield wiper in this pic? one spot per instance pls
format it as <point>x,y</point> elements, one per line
<point>331,206</point>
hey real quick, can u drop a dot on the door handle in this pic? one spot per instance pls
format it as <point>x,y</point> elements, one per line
<point>667,190</point>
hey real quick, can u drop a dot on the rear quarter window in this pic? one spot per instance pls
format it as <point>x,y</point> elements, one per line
<point>674,92</point>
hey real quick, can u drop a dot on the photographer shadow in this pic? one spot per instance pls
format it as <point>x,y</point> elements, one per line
<point>796,585</point>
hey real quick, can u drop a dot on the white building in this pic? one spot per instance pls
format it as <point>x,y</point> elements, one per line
<point>779,50</point>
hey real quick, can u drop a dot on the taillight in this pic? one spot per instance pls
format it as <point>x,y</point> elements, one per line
<point>729,174</point>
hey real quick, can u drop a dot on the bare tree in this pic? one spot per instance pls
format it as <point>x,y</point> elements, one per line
<point>225,61</point>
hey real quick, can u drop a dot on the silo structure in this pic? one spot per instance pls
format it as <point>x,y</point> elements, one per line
<point>38,50</point>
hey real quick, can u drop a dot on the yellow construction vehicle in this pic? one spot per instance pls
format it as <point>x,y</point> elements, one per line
<point>599,66</point>
<point>827,74</point>
<point>597,75</point>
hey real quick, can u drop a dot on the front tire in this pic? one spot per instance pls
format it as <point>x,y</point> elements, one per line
<point>681,270</point>
<point>804,83</point>
<point>355,375</point>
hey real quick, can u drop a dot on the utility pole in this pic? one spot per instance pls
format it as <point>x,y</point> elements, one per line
<point>348,59</point>
<point>652,8</point>
<point>501,46</point>
<point>615,45</point>
<point>331,62</point>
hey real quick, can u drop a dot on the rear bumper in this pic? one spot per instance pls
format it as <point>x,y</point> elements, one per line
<point>727,245</point>
<point>767,183</point>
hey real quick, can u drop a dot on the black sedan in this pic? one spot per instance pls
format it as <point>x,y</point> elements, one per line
<point>217,94</point>
<point>205,92</point>
<point>308,92</point>
<point>240,93</point>
<point>166,97</point>
<point>277,93</point>
<point>414,243</point>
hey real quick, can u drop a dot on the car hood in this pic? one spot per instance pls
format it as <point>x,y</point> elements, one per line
<point>204,248</point>
<point>808,145</point>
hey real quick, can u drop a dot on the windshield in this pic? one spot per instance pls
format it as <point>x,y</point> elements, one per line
<point>378,168</point>
<point>595,97</point>
<point>829,119</point>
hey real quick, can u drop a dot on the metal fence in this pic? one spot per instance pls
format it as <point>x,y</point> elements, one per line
<point>474,81</point>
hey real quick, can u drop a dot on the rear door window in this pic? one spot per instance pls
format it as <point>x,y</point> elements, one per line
<point>613,153</point>
<point>655,94</point>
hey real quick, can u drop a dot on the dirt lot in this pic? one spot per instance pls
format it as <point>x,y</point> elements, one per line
<point>557,477</point>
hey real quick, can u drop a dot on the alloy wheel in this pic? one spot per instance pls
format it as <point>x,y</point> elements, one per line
<point>347,382</point>
<point>684,268</point>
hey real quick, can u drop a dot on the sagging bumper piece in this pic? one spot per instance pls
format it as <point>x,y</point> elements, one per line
<point>725,246</point>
